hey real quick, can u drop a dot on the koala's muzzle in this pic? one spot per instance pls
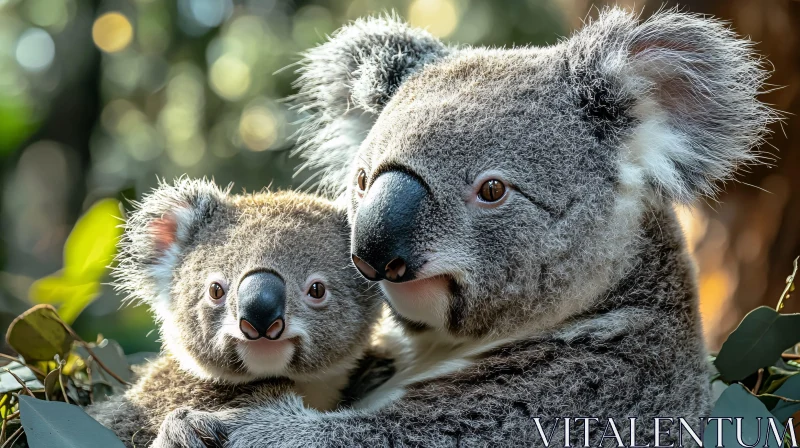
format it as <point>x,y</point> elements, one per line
<point>262,305</point>
<point>384,225</point>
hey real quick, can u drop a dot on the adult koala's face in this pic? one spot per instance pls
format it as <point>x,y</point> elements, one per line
<point>477,193</point>
<point>504,189</point>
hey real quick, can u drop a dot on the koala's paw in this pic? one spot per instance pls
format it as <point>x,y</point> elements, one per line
<point>187,428</point>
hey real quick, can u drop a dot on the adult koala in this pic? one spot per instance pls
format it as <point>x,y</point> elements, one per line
<point>516,205</point>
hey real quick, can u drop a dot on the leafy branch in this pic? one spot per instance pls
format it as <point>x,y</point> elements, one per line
<point>758,369</point>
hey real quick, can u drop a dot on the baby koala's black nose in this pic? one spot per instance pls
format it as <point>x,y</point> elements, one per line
<point>262,305</point>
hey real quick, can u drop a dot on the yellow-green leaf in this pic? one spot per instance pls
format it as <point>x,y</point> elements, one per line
<point>55,289</point>
<point>70,309</point>
<point>52,383</point>
<point>39,335</point>
<point>92,243</point>
<point>4,408</point>
<point>60,290</point>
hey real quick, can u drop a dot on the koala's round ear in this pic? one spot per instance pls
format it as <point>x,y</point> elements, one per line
<point>345,82</point>
<point>678,91</point>
<point>162,224</point>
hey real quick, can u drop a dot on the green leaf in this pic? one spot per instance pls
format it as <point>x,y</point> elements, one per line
<point>91,245</point>
<point>5,405</point>
<point>39,335</point>
<point>776,376</point>
<point>52,384</point>
<point>758,342</point>
<point>10,384</point>
<point>89,249</point>
<point>54,423</point>
<point>717,389</point>
<point>71,309</point>
<point>71,296</point>
<point>789,389</point>
<point>56,289</point>
<point>112,356</point>
<point>737,402</point>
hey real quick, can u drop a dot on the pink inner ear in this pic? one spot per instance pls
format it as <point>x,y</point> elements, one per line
<point>675,88</point>
<point>164,231</point>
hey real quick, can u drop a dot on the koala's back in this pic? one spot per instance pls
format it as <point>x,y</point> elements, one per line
<point>162,387</point>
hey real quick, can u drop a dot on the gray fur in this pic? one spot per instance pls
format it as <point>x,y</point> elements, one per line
<point>183,236</point>
<point>346,81</point>
<point>575,296</point>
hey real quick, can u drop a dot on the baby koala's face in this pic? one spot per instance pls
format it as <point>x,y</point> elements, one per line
<point>248,286</point>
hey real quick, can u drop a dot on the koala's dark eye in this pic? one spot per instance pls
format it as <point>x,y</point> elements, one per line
<point>361,180</point>
<point>216,291</point>
<point>492,190</point>
<point>317,290</point>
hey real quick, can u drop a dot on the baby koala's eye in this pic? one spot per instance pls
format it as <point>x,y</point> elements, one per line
<point>216,291</point>
<point>361,180</point>
<point>317,290</point>
<point>492,190</point>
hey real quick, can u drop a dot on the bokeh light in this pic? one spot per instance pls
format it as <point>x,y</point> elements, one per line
<point>35,50</point>
<point>112,32</point>
<point>51,14</point>
<point>258,128</point>
<point>229,76</point>
<point>210,13</point>
<point>440,17</point>
<point>311,24</point>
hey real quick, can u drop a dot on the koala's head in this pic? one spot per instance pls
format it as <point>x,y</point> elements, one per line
<point>247,286</point>
<point>495,188</point>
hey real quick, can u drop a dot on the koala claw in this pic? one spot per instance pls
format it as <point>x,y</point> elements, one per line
<point>187,428</point>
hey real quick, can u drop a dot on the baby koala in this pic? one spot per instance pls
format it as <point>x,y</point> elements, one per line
<point>255,295</point>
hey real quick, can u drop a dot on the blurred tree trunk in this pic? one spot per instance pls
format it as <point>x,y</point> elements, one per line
<point>745,244</point>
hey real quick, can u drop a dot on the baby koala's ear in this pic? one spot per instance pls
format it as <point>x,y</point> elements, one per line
<point>346,81</point>
<point>683,91</point>
<point>164,222</point>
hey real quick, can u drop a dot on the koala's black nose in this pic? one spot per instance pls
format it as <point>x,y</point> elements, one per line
<point>384,226</point>
<point>262,304</point>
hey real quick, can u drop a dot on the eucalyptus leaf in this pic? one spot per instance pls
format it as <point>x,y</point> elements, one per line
<point>39,335</point>
<point>70,309</point>
<point>58,424</point>
<point>57,288</point>
<point>89,249</point>
<point>717,389</point>
<point>736,402</point>
<point>52,384</point>
<point>112,356</point>
<point>757,342</point>
<point>789,389</point>
<point>5,405</point>
<point>775,378</point>
<point>10,384</point>
<point>91,245</point>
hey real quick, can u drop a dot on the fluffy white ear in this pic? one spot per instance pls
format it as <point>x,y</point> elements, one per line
<point>679,91</point>
<point>163,223</point>
<point>345,82</point>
